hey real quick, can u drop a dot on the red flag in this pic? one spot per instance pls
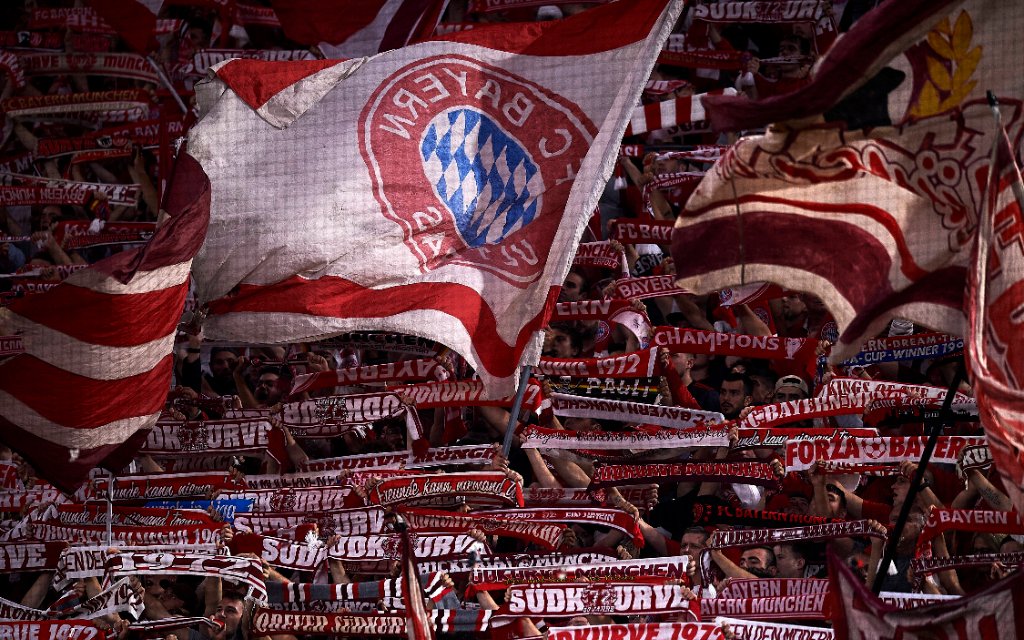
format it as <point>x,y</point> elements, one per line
<point>995,304</point>
<point>940,53</point>
<point>419,626</point>
<point>97,363</point>
<point>997,613</point>
<point>879,224</point>
<point>134,21</point>
<point>354,28</point>
<point>436,190</point>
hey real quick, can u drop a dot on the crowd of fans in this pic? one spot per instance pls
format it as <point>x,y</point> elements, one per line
<point>773,59</point>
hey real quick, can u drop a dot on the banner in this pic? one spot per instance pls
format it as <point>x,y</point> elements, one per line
<point>633,412</point>
<point>757,473</point>
<point>596,571</point>
<point>638,364</point>
<point>640,631</point>
<point>758,630</point>
<point>899,348</point>
<point>539,438</point>
<point>570,599</point>
<point>802,454</point>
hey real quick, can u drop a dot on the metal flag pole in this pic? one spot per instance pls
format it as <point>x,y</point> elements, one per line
<point>167,84</point>
<point>517,404</point>
<point>935,428</point>
<point>110,508</point>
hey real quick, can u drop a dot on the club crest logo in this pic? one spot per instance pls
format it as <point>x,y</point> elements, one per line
<point>473,163</point>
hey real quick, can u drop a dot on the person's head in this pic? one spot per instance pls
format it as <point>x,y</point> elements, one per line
<point>574,287</point>
<point>789,561</point>
<point>1010,545</point>
<point>793,46</point>
<point>223,362</point>
<point>561,341</point>
<point>268,386</point>
<point>793,307</point>
<point>797,503</point>
<point>759,561</point>
<point>763,388</point>
<point>789,388</point>
<point>178,599</point>
<point>836,500</point>
<point>693,541</point>
<point>229,611</point>
<point>734,394</point>
<point>155,585</point>
<point>683,362</point>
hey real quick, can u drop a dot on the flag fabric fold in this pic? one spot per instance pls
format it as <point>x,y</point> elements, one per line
<point>467,168</point>
<point>102,342</point>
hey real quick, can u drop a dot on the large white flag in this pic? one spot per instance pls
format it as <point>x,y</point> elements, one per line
<point>437,190</point>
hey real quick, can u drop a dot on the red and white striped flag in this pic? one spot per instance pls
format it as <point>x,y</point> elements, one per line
<point>687,112</point>
<point>437,190</point>
<point>995,307</point>
<point>97,362</point>
<point>901,202</point>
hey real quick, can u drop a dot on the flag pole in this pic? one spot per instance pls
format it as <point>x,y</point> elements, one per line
<point>110,508</point>
<point>517,404</point>
<point>935,428</point>
<point>167,84</point>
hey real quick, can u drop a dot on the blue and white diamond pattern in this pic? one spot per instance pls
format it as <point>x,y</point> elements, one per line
<point>482,174</point>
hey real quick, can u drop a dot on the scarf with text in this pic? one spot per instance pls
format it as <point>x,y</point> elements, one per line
<point>641,631</point>
<point>638,364</point>
<point>776,437</point>
<point>343,522</point>
<point>577,497</point>
<point>914,347</point>
<point>633,412</point>
<point>94,514</point>
<point>779,413</point>
<point>113,65</point>
<point>758,12</point>
<point>490,6</point>
<point>117,598</point>
<point>14,500</point>
<point>535,437</point>
<point>14,611</point>
<point>160,486</point>
<point>296,498</point>
<point>154,628</point>
<point>51,630</point>
<point>807,607</point>
<point>32,40</point>
<point>902,411</point>
<point>975,520</point>
<point>629,231</point>
<point>267,622</point>
<point>617,571</point>
<point>203,59</point>
<point>535,532</point>
<point>759,630</point>
<point>902,600</point>
<point>463,393</point>
<point>519,561</point>
<point>641,390</point>
<point>705,514</point>
<point>881,389</point>
<point>246,571</point>
<point>601,255</point>
<point>390,342</point>
<point>924,566</point>
<point>145,133</point>
<point>28,556</point>
<point>216,437</point>
<point>757,473</point>
<point>486,484</point>
<point>774,587</point>
<point>79,562</point>
<point>112,106</point>
<point>570,599</point>
<point>401,371</point>
<point>609,518</point>
<point>725,60</point>
<point>771,536</point>
<point>127,535</point>
<point>25,195</point>
<point>646,287</point>
<point>802,454</point>
<point>286,592</point>
<point>680,340</point>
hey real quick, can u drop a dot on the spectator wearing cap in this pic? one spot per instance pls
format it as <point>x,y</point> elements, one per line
<point>789,388</point>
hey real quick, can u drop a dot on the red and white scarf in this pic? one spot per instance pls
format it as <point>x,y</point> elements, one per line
<point>268,622</point>
<point>759,630</point>
<point>725,60</point>
<point>14,611</point>
<point>570,599</point>
<point>677,340</point>
<point>802,454</point>
<point>14,500</point>
<point>146,133</point>
<point>924,565</point>
<point>617,571</point>
<point>647,287</point>
<point>203,59</point>
<point>76,234</point>
<point>310,499</point>
<point>712,514</point>
<point>611,518</point>
<point>401,371</point>
<point>534,531</point>
<point>113,65</point>
<point>247,571</point>
<point>161,486</point>
<point>757,12</point>
<point>686,112</point>
<point>52,629</point>
<point>776,437</point>
<point>641,631</point>
<point>882,389</point>
<point>638,364</point>
<point>487,484</point>
<point>633,412</point>
<point>602,255</point>
<point>95,514</point>
<point>976,520</point>
<point>216,437</point>
<point>180,535</point>
<point>28,556</point>
<point>809,607</point>
<point>116,598</point>
<point>628,231</point>
<point>771,415</point>
<point>540,438</point>
<point>343,522</point>
<point>531,560</point>
<point>79,562</point>
<point>117,105</point>
<point>613,475</point>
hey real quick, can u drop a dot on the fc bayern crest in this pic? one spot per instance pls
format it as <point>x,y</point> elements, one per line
<point>474,164</point>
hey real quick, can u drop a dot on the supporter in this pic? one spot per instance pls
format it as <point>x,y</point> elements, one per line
<point>735,394</point>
